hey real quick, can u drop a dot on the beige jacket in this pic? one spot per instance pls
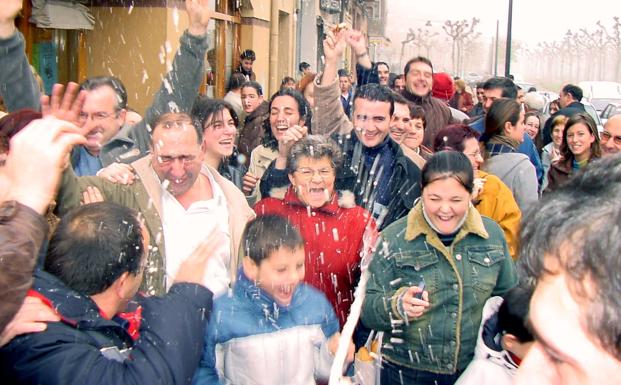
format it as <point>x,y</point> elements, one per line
<point>145,196</point>
<point>260,159</point>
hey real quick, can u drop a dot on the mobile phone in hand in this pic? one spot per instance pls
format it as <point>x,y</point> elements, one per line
<point>421,285</point>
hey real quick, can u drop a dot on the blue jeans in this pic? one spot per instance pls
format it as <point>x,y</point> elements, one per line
<point>393,374</point>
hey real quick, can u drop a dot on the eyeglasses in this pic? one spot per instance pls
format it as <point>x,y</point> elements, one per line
<point>474,155</point>
<point>606,137</point>
<point>308,173</point>
<point>96,116</point>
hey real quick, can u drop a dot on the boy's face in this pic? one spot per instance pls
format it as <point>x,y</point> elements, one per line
<point>279,274</point>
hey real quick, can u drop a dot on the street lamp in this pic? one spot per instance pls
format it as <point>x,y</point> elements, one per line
<point>508,50</point>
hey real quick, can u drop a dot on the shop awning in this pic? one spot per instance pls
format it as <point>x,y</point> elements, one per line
<point>61,14</point>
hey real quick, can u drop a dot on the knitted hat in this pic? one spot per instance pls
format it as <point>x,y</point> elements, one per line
<point>442,86</point>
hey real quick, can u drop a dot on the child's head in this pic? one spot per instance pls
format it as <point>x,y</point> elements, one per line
<point>512,314</point>
<point>274,256</point>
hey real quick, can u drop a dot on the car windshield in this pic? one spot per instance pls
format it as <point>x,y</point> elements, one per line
<point>588,108</point>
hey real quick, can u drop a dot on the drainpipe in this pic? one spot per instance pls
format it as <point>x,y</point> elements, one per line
<point>274,21</point>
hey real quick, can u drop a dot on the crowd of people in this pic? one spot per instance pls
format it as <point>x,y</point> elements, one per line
<point>223,241</point>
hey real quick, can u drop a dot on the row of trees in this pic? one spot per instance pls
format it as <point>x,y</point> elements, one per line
<point>583,54</point>
<point>592,53</point>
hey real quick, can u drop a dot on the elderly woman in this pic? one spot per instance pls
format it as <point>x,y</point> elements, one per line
<point>491,197</point>
<point>579,147</point>
<point>329,221</point>
<point>430,280</point>
<point>504,132</point>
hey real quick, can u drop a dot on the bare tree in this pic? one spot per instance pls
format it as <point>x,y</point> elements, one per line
<point>458,31</point>
<point>614,39</point>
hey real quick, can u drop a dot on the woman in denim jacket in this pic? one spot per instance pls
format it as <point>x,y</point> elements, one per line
<point>431,275</point>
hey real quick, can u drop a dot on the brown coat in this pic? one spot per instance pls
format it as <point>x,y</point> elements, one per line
<point>559,173</point>
<point>251,134</point>
<point>22,231</point>
<point>437,115</point>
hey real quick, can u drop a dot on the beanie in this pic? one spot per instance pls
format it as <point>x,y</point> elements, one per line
<point>442,86</point>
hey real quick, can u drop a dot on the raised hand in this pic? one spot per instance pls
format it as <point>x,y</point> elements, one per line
<point>357,41</point>
<point>334,45</point>
<point>193,269</point>
<point>65,105</point>
<point>199,14</point>
<point>37,158</point>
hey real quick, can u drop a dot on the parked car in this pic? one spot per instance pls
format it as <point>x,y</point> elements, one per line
<point>588,107</point>
<point>601,93</point>
<point>610,110</point>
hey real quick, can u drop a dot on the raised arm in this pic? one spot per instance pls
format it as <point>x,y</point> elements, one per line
<point>180,86</point>
<point>18,86</point>
<point>329,116</point>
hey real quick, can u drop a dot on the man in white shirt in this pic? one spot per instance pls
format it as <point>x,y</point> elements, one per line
<point>182,201</point>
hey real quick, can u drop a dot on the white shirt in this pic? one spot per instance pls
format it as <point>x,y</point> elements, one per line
<point>185,229</point>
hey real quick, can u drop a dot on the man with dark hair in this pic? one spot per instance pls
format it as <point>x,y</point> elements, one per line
<point>181,200</point>
<point>500,87</point>
<point>397,83</point>
<point>304,68</point>
<point>569,101</point>
<point>504,339</point>
<point>384,181</point>
<point>246,61</point>
<point>233,95</point>
<point>383,72</point>
<point>92,272</point>
<point>347,93</point>
<point>478,110</point>
<point>570,245</point>
<point>418,90</point>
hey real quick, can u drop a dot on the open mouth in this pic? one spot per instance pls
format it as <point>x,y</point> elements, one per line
<point>318,193</point>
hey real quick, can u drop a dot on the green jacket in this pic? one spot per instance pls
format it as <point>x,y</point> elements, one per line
<point>459,280</point>
<point>145,196</point>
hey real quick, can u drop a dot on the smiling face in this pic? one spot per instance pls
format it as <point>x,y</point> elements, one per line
<point>532,126</point>
<point>579,140</point>
<point>247,64</point>
<point>419,79</point>
<point>314,181</point>
<point>557,135</point>
<point>489,96</point>
<point>219,135</point>
<point>279,274</point>
<point>284,113</point>
<point>446,202</point>
<point>177,156</point>
<point>250,99</point>
<point>371,121</point>
<point>383,73</point>
<point>473,152</point>
<point>100,117</point>
<point>564,352</point>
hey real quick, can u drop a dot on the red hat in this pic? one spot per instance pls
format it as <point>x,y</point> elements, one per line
<point>442,86</point>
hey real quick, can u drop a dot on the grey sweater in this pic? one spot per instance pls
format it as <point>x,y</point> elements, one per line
<point>518,173</point>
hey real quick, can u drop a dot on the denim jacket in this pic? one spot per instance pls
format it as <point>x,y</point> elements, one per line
<point>459,279</point>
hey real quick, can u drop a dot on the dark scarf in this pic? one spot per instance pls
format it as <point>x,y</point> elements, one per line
<point>500,144</point>
<point>373,167</point>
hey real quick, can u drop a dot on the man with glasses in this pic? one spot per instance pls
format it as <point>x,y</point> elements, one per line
<point>181,200</point>
<point>610,138</point>
<point>105,100</point>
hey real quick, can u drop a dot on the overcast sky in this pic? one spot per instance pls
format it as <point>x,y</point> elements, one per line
<point>533,20</point>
